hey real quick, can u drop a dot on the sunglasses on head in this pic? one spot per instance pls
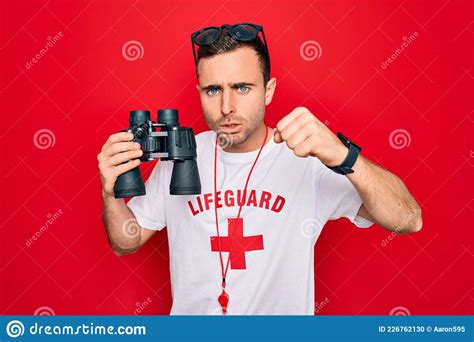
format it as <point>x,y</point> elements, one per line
<point>243,32</point>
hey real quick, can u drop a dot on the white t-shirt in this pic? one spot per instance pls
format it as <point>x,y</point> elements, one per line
<point>289,199</point>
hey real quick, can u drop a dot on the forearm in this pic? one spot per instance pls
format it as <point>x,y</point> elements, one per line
<point>385,197</point>
<point>121,226</point>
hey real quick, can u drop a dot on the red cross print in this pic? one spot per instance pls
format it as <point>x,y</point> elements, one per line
<point>240,243</point>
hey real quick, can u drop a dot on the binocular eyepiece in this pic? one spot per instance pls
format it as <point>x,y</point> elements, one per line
<point>172,142</point>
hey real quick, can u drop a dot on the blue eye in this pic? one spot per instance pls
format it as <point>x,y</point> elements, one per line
<point>212,91</point>
<point>244,89</point>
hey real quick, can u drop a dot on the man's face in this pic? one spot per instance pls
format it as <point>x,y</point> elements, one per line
<point>233,96</point>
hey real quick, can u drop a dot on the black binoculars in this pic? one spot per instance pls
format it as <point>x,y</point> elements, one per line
<point>173,142</point>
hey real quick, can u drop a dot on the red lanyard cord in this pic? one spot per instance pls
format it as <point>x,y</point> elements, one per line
<point>224,272</point>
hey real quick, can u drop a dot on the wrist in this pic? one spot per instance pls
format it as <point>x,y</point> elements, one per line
<point>339,155</point>
<point>359,168</point>
<point>345,167</point>
<point>108,197</point>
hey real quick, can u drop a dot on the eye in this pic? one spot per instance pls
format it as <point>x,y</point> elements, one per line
<point>244,89</point>
<point>212,91</point>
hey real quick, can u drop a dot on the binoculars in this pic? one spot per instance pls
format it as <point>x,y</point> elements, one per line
<point>172,142</point>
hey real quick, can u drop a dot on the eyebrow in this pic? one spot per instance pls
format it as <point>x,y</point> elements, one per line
<point>232,85</point>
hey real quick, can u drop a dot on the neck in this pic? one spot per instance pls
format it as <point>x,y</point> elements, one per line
<point>254,142</point>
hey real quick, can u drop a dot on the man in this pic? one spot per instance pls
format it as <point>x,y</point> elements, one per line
<point>245,245</point>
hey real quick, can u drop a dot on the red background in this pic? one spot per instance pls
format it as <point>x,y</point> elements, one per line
<point>83,88</point>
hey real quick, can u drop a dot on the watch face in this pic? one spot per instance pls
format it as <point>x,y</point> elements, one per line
<point>354,150</point>
<point>344,140</point>
<point>347,142</point>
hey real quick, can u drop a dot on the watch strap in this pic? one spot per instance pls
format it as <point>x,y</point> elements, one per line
<point>353,153</point>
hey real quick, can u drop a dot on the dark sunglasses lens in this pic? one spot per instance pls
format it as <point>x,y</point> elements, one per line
<point>244,32</point>
<point>207,37</point>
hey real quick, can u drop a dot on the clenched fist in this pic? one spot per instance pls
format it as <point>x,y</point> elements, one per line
<point>118,155</point>
<point>307,136</point>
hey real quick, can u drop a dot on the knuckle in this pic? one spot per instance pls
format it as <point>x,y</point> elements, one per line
<point>303,120</point>
<point>130,155</point>
<point>115,148</point>
<point>310,127</point>
<point>290,144</point>
<point>300,153</point>
<point>125,167</point>
<point>284,135</point>
<point>116,159</point>
<point>305,114</point>
<point>300,150</point>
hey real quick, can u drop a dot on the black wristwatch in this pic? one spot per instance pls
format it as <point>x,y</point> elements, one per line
<point>346,166</point>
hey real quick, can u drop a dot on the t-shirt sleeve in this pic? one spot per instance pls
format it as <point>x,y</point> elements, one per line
<point>336,197</point>
<point>150,210</point>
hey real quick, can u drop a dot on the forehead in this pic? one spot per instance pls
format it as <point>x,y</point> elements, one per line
<point>237,65</point>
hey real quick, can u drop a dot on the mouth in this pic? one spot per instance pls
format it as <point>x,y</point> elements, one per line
<point>231,128</point>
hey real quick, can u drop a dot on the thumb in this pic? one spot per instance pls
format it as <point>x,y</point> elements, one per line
<point>277,137</point>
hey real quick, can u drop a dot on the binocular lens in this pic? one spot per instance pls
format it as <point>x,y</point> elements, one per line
<point>139,117</point>
<point>185,178</point>
<point>129,184</point>
<point>168,116</point>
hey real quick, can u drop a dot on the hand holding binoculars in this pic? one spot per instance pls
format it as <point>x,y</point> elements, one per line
<point>172,143</point>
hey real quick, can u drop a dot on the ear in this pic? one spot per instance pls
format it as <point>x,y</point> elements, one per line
<point>270,90</point>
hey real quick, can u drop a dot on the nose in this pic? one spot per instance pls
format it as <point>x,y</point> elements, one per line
<point>227,103</point>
